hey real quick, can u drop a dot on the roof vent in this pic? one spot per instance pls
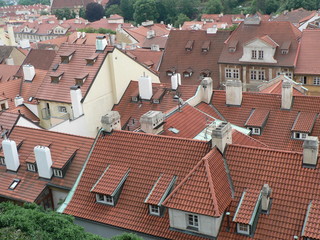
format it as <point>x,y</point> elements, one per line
<point>111,121</point>
<point>310,151</point>
<point>152,122</point>
<point>28,72</point>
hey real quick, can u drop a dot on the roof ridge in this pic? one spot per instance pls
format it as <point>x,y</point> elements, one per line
<point>263,148</point>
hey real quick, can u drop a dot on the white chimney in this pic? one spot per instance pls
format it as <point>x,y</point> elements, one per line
<point>25,43</point>
<point>44,161</point>
<point>265,197</point>
<point>152,122</point>
<point>28,72</point>
<point>222,135</point>
<point>101,43</point>
<point>145,87</point>
<point>233,92</point>
<point>18,100</point>
<point>79,34</point>
<point>83,34</point>
<point>310,151</point>
<point>11,156</point>
<point>111,121</point>
<point>76,96</point>
<point>151,34</point>
<point>287,95</point>
<point>206,84</point>
<point>174,82</point>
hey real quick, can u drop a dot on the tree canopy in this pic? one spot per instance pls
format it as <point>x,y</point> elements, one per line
<point>31,2</point>
<point>94,11</point>
<point>145,10</point>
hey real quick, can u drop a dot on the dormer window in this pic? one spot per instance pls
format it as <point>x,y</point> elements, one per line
<point>187,73</point>
<point>254,54</point>
<point>255,130</point>
<point>105,199</point>
<point>205,73</point>
<point>192,222</point>
<point>233,46</point>
<point>56,77</point>
<point>300,135</point>
<point>62,163</point>
<point>66,57</point>
<point>92,59</point>
<point>206,46</point>
<point>285,47</point>
<point>260,54</point>
<point>284,51</point>
<point>81,78</point>
<point>31,167</point>
<point>189,45</point>
<point>154,210</point>
<point>2,162</point>
<point>243,228</point>
<point>171,72</point>
<point>57,173</point>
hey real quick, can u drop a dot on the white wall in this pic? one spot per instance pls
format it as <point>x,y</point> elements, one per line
<point>207,225</point>
<point>33,108</point>
<point>76,127</point>
<point>26,123</point>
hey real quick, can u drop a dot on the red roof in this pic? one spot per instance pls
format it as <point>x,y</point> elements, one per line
<point>312,223</point>
<point>304,122</point>
<point>8,120</point>
<point>147,156</point>
<point>276,88</point>
<point>257,118</point>
<point>146,56</point>
<point>295,16</point>
<point>212,196</point>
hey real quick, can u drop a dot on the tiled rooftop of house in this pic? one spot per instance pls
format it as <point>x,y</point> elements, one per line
<point>200,61</point>
<point>275,30</point>
<point>30,186</point>
<point>8,121</point>
<point>312,224</point>
<point>144,155</point>
<point>147,57</point>
<point>60,91</point>
<point>295,16</point>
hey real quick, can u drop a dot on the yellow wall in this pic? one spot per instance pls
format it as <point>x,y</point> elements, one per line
<point>313,90</point>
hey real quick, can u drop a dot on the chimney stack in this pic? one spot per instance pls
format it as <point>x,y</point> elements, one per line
<point>76,96</point>
<point>111,121</point>
<point>206,84</point>
<point>28,72</point>
<point>152,122</point>
<point>175,81</point>
<point>265,197</point>
<point>44,161</point>
<point>234,92</point>
<point>11,156</point>
<point>287,95</point>
<point>222,135</point>
<point>101,43</point>
<point>145,87</point>
<point>310,151</point>
<point>18,100</point>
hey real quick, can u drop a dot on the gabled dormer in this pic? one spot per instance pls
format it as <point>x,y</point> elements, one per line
<point>108,188</point>
<point>257,121</point>
<point>66,56</point>
<point>56,76</point>
<point>206,46</point>
<point>285,47</point>
<point>303,125</point>
<point>81,78</point>
<point>260,49</point>
<point>61,164</point>
<point>160,190</point>
<point>189,45</point>
<point>92,59</point>
<point>232,47</point>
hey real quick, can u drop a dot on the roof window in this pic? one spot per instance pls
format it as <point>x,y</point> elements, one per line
<point>189,45</point>
<point>206,46</point>
<point>170,72</point>
<point>92,59</point>
<point>14,184</point>
<point>188,72</point>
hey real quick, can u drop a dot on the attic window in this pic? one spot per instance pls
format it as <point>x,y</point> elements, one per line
<point>171,71</point>
<point>255,130</point>
<point>243,228</point>
<point>187,73</point>
<point>81,78</point>
<point>189,45</point>
<point>174,130</point>
<point>56,77</point>
<point>92,59</point>
<point>55,67</point>
<point>193,222</point>
<point>206,46</point>
<point>233,46</point>
<point>14,184</point>
<point>154,210</point>
<point>2,162</point>
<point>31,167</point>
<point>299,135</point>
<point>57,173</point>
<point>205,73</point>
<point>66,56</point>
<point>105,199</point>
<point>285,47</point>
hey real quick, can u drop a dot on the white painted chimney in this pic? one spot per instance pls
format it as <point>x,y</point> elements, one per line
<point>79,34</point>
<point>310,151</point>
<point>234,92</point>
<point>222,135</point>
<point>25,43</point>
<point>76,96</point>
<point>287,95</point>
<point>145,87</point>
<point>111,121</point>
<point>151,34</point>
<point>174,82</point>
<point>206,84</point>
<point>152,122</point>
<point>11,157</point>
<point>44,161</point>
<point>101,43</point>
<point>28,72</point>
<point>265,197</point>
<point>18,100</point>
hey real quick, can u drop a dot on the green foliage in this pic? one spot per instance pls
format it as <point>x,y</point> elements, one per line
<point>145,10</point>
<point>100,30</point>
<point>214,6</point>
<point>32,222</point>
<point>306,4</point>
<point>126,7</point>
<point>31,2</point>
<point>94,11</point>
<point>127,236</point>
<point>2,3</point>
<point>64,13</point>
<point>188,7</point>
<point>181,19</point>
<point>82,12</point>
<point>113,9</point>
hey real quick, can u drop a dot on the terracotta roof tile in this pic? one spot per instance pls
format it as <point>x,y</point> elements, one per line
<point>295,16</point>
<point>304,122</point>
<point>147,57</point>
<point>312,223</point>
<point>257,118</point>
<point>8,120</point>
<point>277,88</point>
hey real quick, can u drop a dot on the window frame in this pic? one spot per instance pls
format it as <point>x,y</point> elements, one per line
<point>193,222</point>
<point>253,54</point>
<point>260,54</point>
<point>303,79</point>
<point>107,199</point>
<point>300,135</point>
<point>62,107</point>
<point>2,161</point>
<point>316,81</point>
<point>31,167</point>
<point>57,173</point>
<point>154,210</point>
<point>241,230</point>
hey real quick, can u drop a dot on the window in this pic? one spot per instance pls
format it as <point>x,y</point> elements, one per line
<point>254,131</point>
<point>2,106</point>
<point>14,184</point>
<point>31,167</point>
<point>232,73</point>
<point>285,72</point>
<point>261,75</point>
<point>254,54</point>
<point>257,75</point>
<point>57,173</point>
<point>299,135</point>
<point>243,228</point>
<point>106,199</point>
<point>193,222</point>
<point>236,73</point>
<point>260,54</point>
<point>253,75</point>
<point>303,79</point>
<point>284,51</point>
<point>169,73</point>
<point>2,162</point>
<point>316,81</point>
<point>62,109</point>
<point>228,73</point>
<point>154,210</point>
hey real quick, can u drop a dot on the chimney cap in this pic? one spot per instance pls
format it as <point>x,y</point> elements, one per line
<point>100,37</point>
<point>75,87</point>
<point>234,83</point>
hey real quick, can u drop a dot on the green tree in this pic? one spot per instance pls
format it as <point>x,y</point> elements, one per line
<point>306,4</point>
<point>112,2</point>
<point>2,3</point>
<point>126,7</point>
<point>82,12</point>
<point>214,6</point>
<point>94,11</point>
<point>31,2</point>
<point>127,236</point>
<point>64,13</point>
<point>145,10</point>
<point>188,7</point>
<point>181,19</point>
<point>272,6</point>
<point>113,9</point>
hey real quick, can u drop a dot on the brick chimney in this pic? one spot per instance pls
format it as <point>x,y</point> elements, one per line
<point>145,87</point>
<point>222,135</point>
<point>44,161</point>
<point>265,197</point>
<point>234,92</point>
<point>310,151</point>
<point>206,84</point>
<point>111,121</point>
<point>11,156</point>
<point>286,95</point>
<point>152,122</point>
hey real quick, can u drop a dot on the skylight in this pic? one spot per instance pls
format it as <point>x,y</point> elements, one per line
<point>174,130</point>
<point>14,184</point>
